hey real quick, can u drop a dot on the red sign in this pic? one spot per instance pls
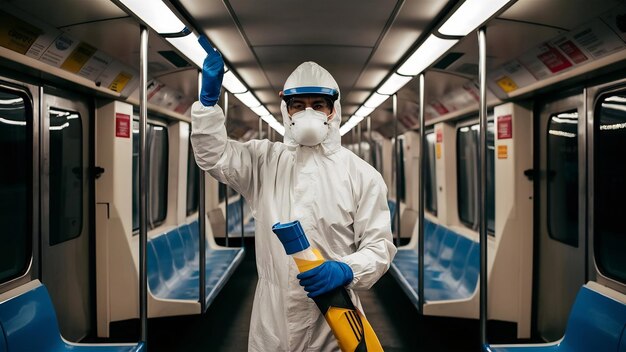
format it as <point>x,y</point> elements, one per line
<point>440,108</point>
<point>505,127</point>
<point>554,60</point>
<point>122,125</point>
<point>439,135</point>
<point>570,49</point>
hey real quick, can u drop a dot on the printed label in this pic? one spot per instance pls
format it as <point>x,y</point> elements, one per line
<point>122,125</point>
<point>507,84</point>
<point>16,34</point>
<point>503,152</point>
<point>505,127</point>
<point>120,81</point>
<point>78,58</point>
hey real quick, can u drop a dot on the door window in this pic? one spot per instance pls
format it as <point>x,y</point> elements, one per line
<point>430,181</point>
<point>562,177</point>
<point>468,144</point>
<point>610,186</point>
<point>66,175</point>
<point>193,184</point>
<point>16,115</point>
<point>157,150</point>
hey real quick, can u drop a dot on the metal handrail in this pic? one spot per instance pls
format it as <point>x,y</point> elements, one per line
<point>143,184</point>
<point>420,233</point>
<point>482,186</point>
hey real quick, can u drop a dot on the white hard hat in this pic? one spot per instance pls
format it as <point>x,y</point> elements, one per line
<point>311,78</point>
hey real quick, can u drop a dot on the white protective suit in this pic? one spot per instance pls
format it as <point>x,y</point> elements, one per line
<point>340,200</point>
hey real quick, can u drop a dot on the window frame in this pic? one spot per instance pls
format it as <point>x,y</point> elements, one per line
<point>196,168</point>
<point>154,121</point>
<point>474,226</point>
<point>549,217</point>
<point>82,168</point>
<point>30,94</point>
<point>595,96</point>
<point>431,162</point>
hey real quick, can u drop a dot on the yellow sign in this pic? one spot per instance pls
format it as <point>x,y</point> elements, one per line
<point>16,34</point>
<point>507,84</point>
<point>503,152</point>
<point>438,150</point>
<point>78,58</point>
<point>120,81</point>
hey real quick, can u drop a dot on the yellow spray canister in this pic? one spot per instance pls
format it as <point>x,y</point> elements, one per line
<point>348,324</point>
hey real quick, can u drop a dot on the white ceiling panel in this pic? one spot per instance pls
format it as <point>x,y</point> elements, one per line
<point>325,22</point>
<point>344,63</point>
<point>73,12</point>
<point>566,14</point>
<point>406,29</point>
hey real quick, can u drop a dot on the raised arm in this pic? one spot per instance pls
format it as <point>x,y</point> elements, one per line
<point>231,162</point>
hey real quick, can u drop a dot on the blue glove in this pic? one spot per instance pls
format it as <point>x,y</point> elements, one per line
<point>325,278</point>
<point>212,74</point>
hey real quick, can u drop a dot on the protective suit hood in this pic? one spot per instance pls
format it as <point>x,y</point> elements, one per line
<point>310,74</point>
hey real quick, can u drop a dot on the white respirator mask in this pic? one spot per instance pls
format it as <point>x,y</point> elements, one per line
<point>309,127</point>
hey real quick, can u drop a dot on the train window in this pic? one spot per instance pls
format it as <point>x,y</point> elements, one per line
<point>468,177</point>
<point>430,181</point>
<point>562,177</point>
<point>157,149</point>
<point>15,184</point>
<point>609,188</point>
<point>66,175</point>
<point>401,189</point>
<point>193,184</point>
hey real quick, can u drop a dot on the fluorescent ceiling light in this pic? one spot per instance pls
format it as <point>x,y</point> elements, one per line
<point>375,100</point>
<point>393,84</point>
<point>269,119</point>
<point>344,129</point>
<point>278,127</point>
<point>363,111</point>
<point>189,46</point>
<point>353,121</point>
<point>233,84</point>
<point>156,15</point>
<point>248,99</point>
<point>470,15</point>
<point>427,53</point>
<point>260,110</point>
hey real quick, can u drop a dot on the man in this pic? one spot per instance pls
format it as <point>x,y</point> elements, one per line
<point>339,199</point>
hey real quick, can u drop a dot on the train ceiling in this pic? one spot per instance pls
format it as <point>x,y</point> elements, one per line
<point>359,42</point>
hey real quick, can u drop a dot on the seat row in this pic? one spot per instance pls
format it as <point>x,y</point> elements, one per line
<point>597,322</point>
<point>173,270</point>
<point>235,213</point>
<point>28,322</point>
<point>451,265</point>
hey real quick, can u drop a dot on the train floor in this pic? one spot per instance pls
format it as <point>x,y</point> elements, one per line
<point>224,328</point>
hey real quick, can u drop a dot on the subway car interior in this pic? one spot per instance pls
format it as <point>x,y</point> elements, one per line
<point>496,127</point>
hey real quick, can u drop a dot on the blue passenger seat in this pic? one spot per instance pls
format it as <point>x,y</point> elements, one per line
<point>28,322</point>
<point>451,265</point>
<point>234,219</point>
<point>597,322</point>
<point>173,270</point>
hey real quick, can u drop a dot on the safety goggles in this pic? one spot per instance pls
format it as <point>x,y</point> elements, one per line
<point>317,103</point>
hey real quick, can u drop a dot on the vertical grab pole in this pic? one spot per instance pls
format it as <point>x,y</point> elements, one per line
<point>396,154</point>
<point>482,185</point>
<point>369,132</point>
<point>360,133</point>
<point>420,234</point>
<point>260,128</point>
<point>226,186</point>
<point>143,183</point>
<point>202,230</point>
